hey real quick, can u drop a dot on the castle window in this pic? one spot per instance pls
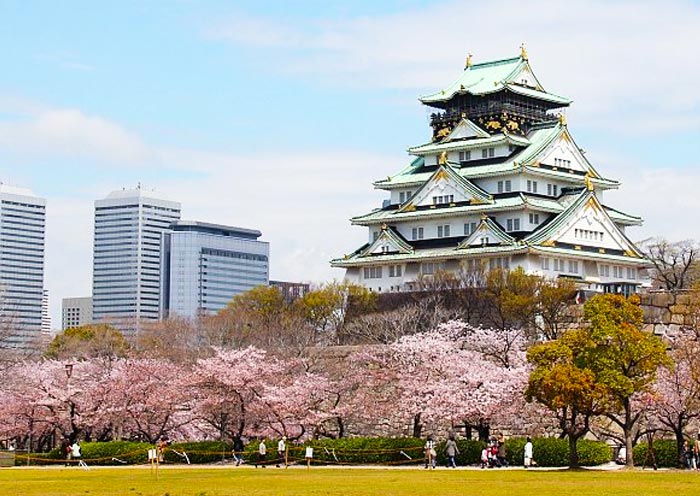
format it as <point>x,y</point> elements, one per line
<point>573,266</point>
<point>417,233</point>
<point>465,155</point>
<point>604,270</point>
<point>443,231</point>
<point>375,235</point>
<point>545,263</point>
<point>372,272</point>
<point>499,263</point>
<point>469,227</point>
<point>442,199</point>
<point>508,187</point>
<point>402,197</point>
<point>428,268</point>
<point>534,218</point>
<point>394,271</point>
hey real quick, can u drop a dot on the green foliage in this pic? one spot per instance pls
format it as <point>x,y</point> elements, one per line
<point>469,452</point>
<point>554,452</point>
<point>102,453</point>
<point>665,451</point>
<point>88,341</point>
<point>198,452</point>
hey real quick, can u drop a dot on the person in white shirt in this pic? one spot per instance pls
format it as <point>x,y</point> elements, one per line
<point>282,452</point>
<point>527,455</point>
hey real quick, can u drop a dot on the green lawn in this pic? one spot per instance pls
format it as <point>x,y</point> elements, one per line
<point>247,481</point>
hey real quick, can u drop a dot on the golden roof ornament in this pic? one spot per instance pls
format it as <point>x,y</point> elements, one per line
<point>523,51</point>
<point>468,63</point>
<point>442,160</point>
<point>562,119</point>
<point>589,183</point>
<point>384,227</point>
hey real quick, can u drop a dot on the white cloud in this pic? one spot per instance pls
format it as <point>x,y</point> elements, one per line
<point>67,132</point>
<point>613,58</point>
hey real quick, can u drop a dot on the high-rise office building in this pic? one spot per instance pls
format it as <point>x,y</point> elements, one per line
<point>127,257</point>
<point>22,235</point>
<point>205,265</point>
<point>76,312</point>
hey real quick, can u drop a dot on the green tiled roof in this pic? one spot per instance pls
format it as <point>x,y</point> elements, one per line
<point>469,144</point>
<point>542,235</point>
<point>491,77</point>
<point>538,141</point>
<point>543,204</point>
<point>427,255</point>
<point>553,250</point>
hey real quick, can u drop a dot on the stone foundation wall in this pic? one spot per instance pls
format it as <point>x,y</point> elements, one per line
<point>667,313</point>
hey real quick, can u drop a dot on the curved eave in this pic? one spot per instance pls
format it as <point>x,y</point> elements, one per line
<point>622,218</point>
<point>469,144</point>
<point>379,216</point>
<point>428,255</point>
<point>540,95</point>
<point>572,176</point>
<point>553,250</point>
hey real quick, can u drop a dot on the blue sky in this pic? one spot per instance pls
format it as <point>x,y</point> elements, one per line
<point>279,115</point>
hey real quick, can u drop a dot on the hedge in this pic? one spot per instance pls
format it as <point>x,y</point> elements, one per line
<point>665,450</point>
<point>352,450</point>
<point>198,452</point>
<point>97,454</point>
<point>550,452</point>
<point>554,452</point>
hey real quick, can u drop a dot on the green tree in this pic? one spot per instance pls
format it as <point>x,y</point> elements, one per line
<point>599,369</point>
<point>88,341</point>
<point>324,309</point>
<point>554,299</point>
<point>563,382</point>
<point>512,295</point>
<point>624,358</point>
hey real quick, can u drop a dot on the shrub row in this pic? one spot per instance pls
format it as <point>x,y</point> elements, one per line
<point>665,451</point>
<point>549,452</point>
<point>554,452</point>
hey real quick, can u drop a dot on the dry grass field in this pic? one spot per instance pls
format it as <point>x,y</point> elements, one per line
<point>297,481</point>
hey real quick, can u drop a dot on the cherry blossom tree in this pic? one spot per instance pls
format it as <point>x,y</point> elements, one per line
<point>148,399</point>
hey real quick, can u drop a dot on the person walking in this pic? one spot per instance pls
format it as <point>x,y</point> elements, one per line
<point>282,452</point>
<point>238,448</point>
<point>503,462</point>
<point>430,453</point>
<point>76,452</point>
<point>528,453</point>
<point>262,454</point>
<point>451,450</point>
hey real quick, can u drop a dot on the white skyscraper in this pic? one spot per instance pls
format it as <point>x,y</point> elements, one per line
<point>127,257</point>
<point>22,234</point>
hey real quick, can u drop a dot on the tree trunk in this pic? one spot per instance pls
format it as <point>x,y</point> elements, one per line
<point>341,427</point>
<point>628,428</point>
<point>573,452</point>
<point>417,426</point>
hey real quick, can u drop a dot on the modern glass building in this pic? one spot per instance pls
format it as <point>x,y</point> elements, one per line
<point>22,242</point>
<point>205,265</point>
<point>127,257</point>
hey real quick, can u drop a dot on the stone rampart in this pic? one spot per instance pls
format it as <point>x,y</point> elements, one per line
<point>666,313</point>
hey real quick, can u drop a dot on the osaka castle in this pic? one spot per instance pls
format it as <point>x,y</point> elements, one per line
<point>500,183</point>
